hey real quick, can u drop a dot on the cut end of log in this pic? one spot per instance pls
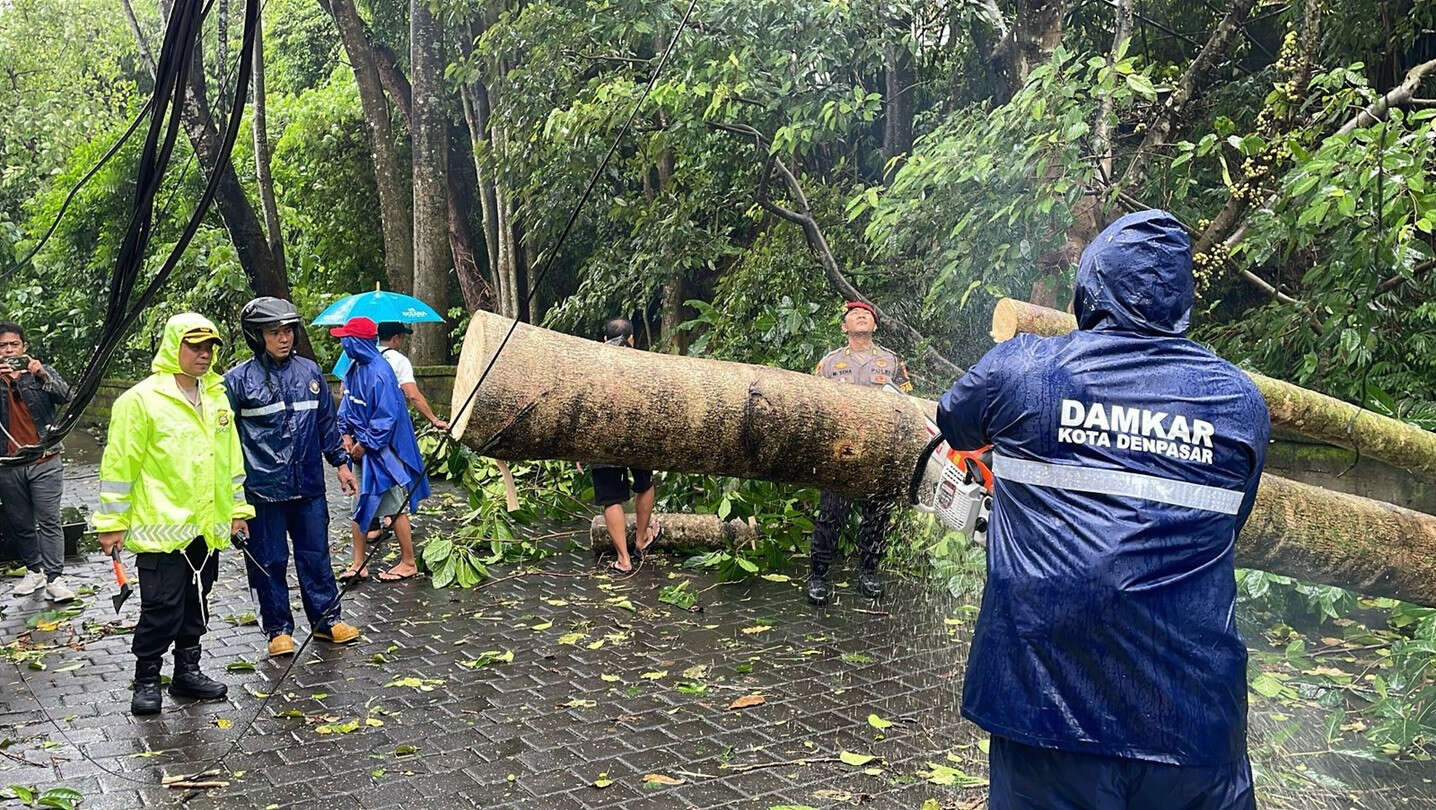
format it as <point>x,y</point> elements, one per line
<point>466,377</point>
<point>1004,320</point>
<point>1011,316</point>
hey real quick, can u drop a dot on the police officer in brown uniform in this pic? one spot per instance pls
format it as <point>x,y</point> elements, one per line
<point>861,362</point>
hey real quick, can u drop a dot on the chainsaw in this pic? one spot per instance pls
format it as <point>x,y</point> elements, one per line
<point>954,485</point>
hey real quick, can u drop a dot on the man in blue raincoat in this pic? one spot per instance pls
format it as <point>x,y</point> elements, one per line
<point>1106,662</point>
<point>287,430</point>
<point>378,434</point>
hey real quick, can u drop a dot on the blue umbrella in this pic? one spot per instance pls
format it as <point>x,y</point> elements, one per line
<point>379,306</point>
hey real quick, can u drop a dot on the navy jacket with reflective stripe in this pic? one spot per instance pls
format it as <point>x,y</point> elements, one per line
<point>287,427</point>
<point>1127,459</point>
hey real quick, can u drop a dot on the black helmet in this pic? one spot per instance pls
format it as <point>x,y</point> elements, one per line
<point>265,312</point>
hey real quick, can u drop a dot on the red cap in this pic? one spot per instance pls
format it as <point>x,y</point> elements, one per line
<point>852,305</point>
<point>360,327</point>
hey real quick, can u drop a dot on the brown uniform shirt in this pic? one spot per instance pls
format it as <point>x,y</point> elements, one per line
<point>875,368</point>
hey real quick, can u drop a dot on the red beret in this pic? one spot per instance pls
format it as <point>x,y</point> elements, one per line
<point>852,305</point>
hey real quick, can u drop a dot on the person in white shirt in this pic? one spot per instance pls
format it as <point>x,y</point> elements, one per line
<point>391,341</point>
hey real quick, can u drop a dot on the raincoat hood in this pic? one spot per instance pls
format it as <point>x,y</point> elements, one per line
<point>1136,277</point>
<point>167,358</point>
<point>360,350</point>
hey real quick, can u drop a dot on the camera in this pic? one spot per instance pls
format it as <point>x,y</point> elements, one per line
<point>19,362</point>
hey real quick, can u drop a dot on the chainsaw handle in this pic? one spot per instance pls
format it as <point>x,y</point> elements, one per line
<point>921,467</point>
<point>120,576</point>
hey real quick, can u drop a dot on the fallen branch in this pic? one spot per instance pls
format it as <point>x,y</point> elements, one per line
<point>1395,97</point>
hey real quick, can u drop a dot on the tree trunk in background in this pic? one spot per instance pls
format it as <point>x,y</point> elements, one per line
<point>1102,127</point>
<point>556,396</point>
<point>463,184</point>
<point>1036,31</point>
<point>262,175</point>
<point>897,101</point>
<point>395,194</point>
<point>475,98</point>
<point>1292,407</point>
<point>429,133</point>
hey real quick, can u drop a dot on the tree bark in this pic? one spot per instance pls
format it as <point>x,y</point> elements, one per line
<point>430,136</point>
<point>680,531</point>
<point>262,176</point>
<point>1294,408</point>
<point>395,221</point>
<point>556,396</point>
<point>898,104</point>
<point>463,183</point>
<point>1035,34</point>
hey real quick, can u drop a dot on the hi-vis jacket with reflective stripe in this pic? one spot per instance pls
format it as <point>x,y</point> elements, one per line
<point>1126,460</point>
<point>286,419</point>
<point>171,474</point>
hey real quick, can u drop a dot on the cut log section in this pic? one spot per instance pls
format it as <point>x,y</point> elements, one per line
<point>1292,407</point>
<point>557,396</point>
<point>680,531</point>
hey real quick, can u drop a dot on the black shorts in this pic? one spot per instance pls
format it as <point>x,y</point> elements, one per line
<point>610,484</point>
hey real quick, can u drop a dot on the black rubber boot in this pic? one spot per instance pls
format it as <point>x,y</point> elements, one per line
<point>818,591</point>
<point>189,682</point>
<point>147,699</point>
<point>870,585</point>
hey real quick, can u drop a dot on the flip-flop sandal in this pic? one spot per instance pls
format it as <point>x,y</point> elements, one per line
<point>614,569</point>
<point>350,575</point>
<point>390,576</point>
<point>657,533</point>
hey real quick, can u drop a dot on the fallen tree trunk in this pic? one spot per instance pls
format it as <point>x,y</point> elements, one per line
<point>556,396</point>
<point>1292,407</point>
<point>680,531</point>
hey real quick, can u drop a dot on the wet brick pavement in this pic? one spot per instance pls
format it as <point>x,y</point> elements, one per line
<point>605,680</point>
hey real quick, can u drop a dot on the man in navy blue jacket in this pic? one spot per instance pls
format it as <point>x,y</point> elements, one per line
<point>1106,661</point>
<point>287,429</point>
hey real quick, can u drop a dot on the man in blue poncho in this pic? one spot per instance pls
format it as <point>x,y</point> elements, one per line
<point>379,436</point>
<point>1106,662</point>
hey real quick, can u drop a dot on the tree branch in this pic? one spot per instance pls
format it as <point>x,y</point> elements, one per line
<point>818,243</point>
<point>1160,128</point>
<point>1397,96</point>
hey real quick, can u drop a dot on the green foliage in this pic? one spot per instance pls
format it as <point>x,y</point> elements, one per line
<point>1378,682</point>
<point>488,534</point>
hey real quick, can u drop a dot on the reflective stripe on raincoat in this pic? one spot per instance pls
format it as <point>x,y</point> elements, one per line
<point>170,474</point>
<point>1126,460</point>
<point>287,427</point>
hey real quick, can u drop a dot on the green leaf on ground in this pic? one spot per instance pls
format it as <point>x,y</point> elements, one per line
<point>856,760</point>
<point>879,723</point>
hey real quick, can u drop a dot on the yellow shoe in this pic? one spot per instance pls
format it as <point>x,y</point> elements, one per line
<point>282,644</point>
<point>338,633</point>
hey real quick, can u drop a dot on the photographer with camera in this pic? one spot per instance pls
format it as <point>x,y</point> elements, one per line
<point>30,494</point>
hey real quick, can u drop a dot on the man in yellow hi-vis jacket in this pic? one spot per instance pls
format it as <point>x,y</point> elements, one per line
<point>172,491</point>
